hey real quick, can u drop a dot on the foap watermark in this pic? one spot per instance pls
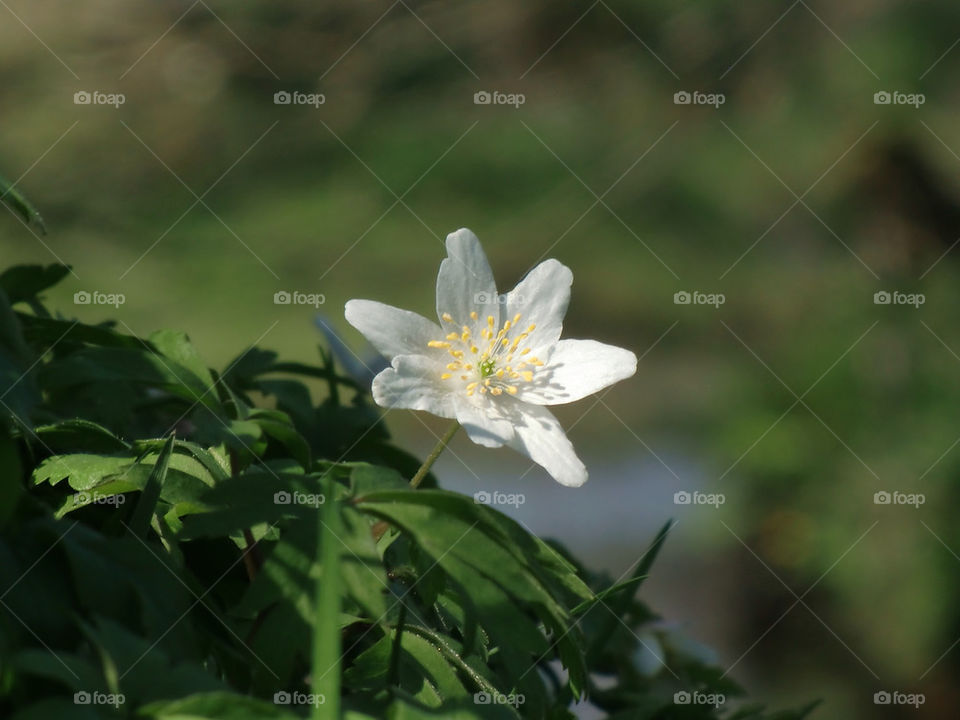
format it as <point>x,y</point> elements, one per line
<point>886,697</point>
<point>685,697</point>
<point>495,97</point>
<point>496,497</point>
<point>895,297</point>
<point>882,497</point>
<point>295,297</point>
<point>485,298</point>
<point>95,498</point>
<point>96,697</point>
<point>296,97</point>
<point>95,297</point>
<point>298,498</point>
<point>498,698</point>
<point>696,297</point>
<point>685,97</point>
<point>684,497</point>
<point>282,697</point>
<point>84,97</point>
<point>896,97</point>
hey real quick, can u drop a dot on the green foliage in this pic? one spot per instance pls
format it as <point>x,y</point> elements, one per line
<point>20,205</point>
<point>192,544</point>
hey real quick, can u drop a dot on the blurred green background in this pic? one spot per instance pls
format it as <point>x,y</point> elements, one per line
<point>797,198</point>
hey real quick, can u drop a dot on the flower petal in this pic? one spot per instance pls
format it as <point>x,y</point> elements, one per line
<point>540,436</point>
<point>541,299</point>
<point>577,368</point>
<point>390,330</point>
<point>484,421</point>
<point>465,283</point>
<point>413,382</point>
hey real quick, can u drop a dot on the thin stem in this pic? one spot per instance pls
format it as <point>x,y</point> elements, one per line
<point>393,674</point>
<point>434,454</point>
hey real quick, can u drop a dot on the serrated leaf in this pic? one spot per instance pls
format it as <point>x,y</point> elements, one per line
<point>83,470</point>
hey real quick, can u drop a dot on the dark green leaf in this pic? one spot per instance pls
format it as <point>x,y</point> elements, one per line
<point>25,282</point>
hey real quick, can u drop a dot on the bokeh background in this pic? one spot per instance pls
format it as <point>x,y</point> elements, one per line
<point>798,198</point>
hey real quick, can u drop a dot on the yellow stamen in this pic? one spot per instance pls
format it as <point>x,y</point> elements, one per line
<point>493,368</point>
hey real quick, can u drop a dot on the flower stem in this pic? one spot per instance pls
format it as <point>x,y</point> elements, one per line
<point>434,454</point>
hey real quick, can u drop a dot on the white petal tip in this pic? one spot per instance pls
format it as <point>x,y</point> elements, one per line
<point>350,310</point>
<point>460,237</point>
<point>572,482</point>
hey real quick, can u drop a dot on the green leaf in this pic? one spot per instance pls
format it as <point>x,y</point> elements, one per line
<point>14,199</point>
<point>17,387</point>
<point>361,567</point>
<point>601,597</point>
<point>249,499</point>
<point>142,367</point>
<point>176,346</point>
<point>72,671</point>
<point>11,480</point>
<point>215,706</point>
<point>59,709</point>
<point>451,651</point>
<point>277,425</point>
<point>620,607</point>
<point>25,282</point>
<point>147,672</point>
<point>456,710</point>
<point>497,577</point>
<point>325,664</point>
<point>146,505</point>
<point>77,434</point>
<point>83,470</point>
<point>45,332</point>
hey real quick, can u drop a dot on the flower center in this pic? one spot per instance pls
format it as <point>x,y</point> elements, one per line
<point>498,364</point>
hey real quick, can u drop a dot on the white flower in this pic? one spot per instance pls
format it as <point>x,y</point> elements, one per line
<point>494,361</point>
